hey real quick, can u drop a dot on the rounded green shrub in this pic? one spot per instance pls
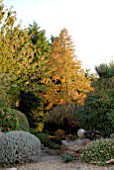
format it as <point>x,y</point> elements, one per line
<point>23,121</point>
<point>11,119</point>
<point>98,151</point>
<point>44,138</point>
<point>97,113</point>
<point>18,147</point>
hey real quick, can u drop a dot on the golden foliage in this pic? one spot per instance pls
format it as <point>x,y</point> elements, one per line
<point>68,81</point>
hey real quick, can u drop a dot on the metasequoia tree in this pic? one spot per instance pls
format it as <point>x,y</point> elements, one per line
<point>68,81</point>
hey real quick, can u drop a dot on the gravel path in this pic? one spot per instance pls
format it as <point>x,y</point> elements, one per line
<point>55,163</point>
<point>59,165</point>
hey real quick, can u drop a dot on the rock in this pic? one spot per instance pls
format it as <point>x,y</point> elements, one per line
<point>75,147</point>
<point>76,142</point>
<point>50,158</point>
<point>48,151</point>
<point>1,133</point>
<point>83,141</point>
<point>112,136</point>
<point>12,169</point>
<point>65,142</point>
<point>110,161</point>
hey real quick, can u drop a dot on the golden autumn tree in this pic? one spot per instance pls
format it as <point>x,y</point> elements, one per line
<point>68,81</point>
<point>22,65</point>
<point>18,67</point>
<point>16,52</point>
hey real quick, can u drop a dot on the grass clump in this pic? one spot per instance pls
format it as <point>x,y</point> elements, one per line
<point>98,151</point>
<point>69,158</point>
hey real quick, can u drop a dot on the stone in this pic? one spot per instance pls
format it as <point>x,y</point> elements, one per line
<point>112,136</point>
<point>110,161</point>
<point>75,147</point>
<point>83,141</point>
<point>12,169</point>
<point>68,143</point>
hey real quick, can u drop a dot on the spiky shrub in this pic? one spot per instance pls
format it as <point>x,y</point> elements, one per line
<point>99,151</point>
<point>105,70</point>
<point>19,147</point>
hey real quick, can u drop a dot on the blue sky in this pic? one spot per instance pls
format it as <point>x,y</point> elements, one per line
<point>89,22</point>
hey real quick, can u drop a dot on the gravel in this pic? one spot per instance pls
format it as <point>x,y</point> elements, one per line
<point>55,163</point>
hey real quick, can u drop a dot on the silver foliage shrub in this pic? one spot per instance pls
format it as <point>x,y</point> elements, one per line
<point>19,147</point>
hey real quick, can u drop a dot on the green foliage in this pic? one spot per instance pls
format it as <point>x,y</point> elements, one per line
<point>32,106</point>
<point>98,151</point>
<point>97,113</point>
<point>47,140</point>
<point>12,97</point>
<point>69,158</point>
<point>105,70</point>
<point>65,116</point>
<point>44,138</point>
<point>11,119</point>
<point>23,121</point>
<point>103,85</point>
<point>54,145</point>
<point>39,39</point>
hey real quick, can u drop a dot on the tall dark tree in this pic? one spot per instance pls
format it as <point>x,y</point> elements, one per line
<point>31,102</point>
<point>38,38</point>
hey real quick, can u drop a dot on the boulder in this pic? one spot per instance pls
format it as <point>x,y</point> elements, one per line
<point>75,147</point>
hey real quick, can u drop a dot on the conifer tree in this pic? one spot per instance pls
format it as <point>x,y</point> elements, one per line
<point>68,78</point>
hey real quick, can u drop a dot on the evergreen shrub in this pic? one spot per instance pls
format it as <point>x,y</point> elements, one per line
<point>98,151</point>
<point>98,113</point>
